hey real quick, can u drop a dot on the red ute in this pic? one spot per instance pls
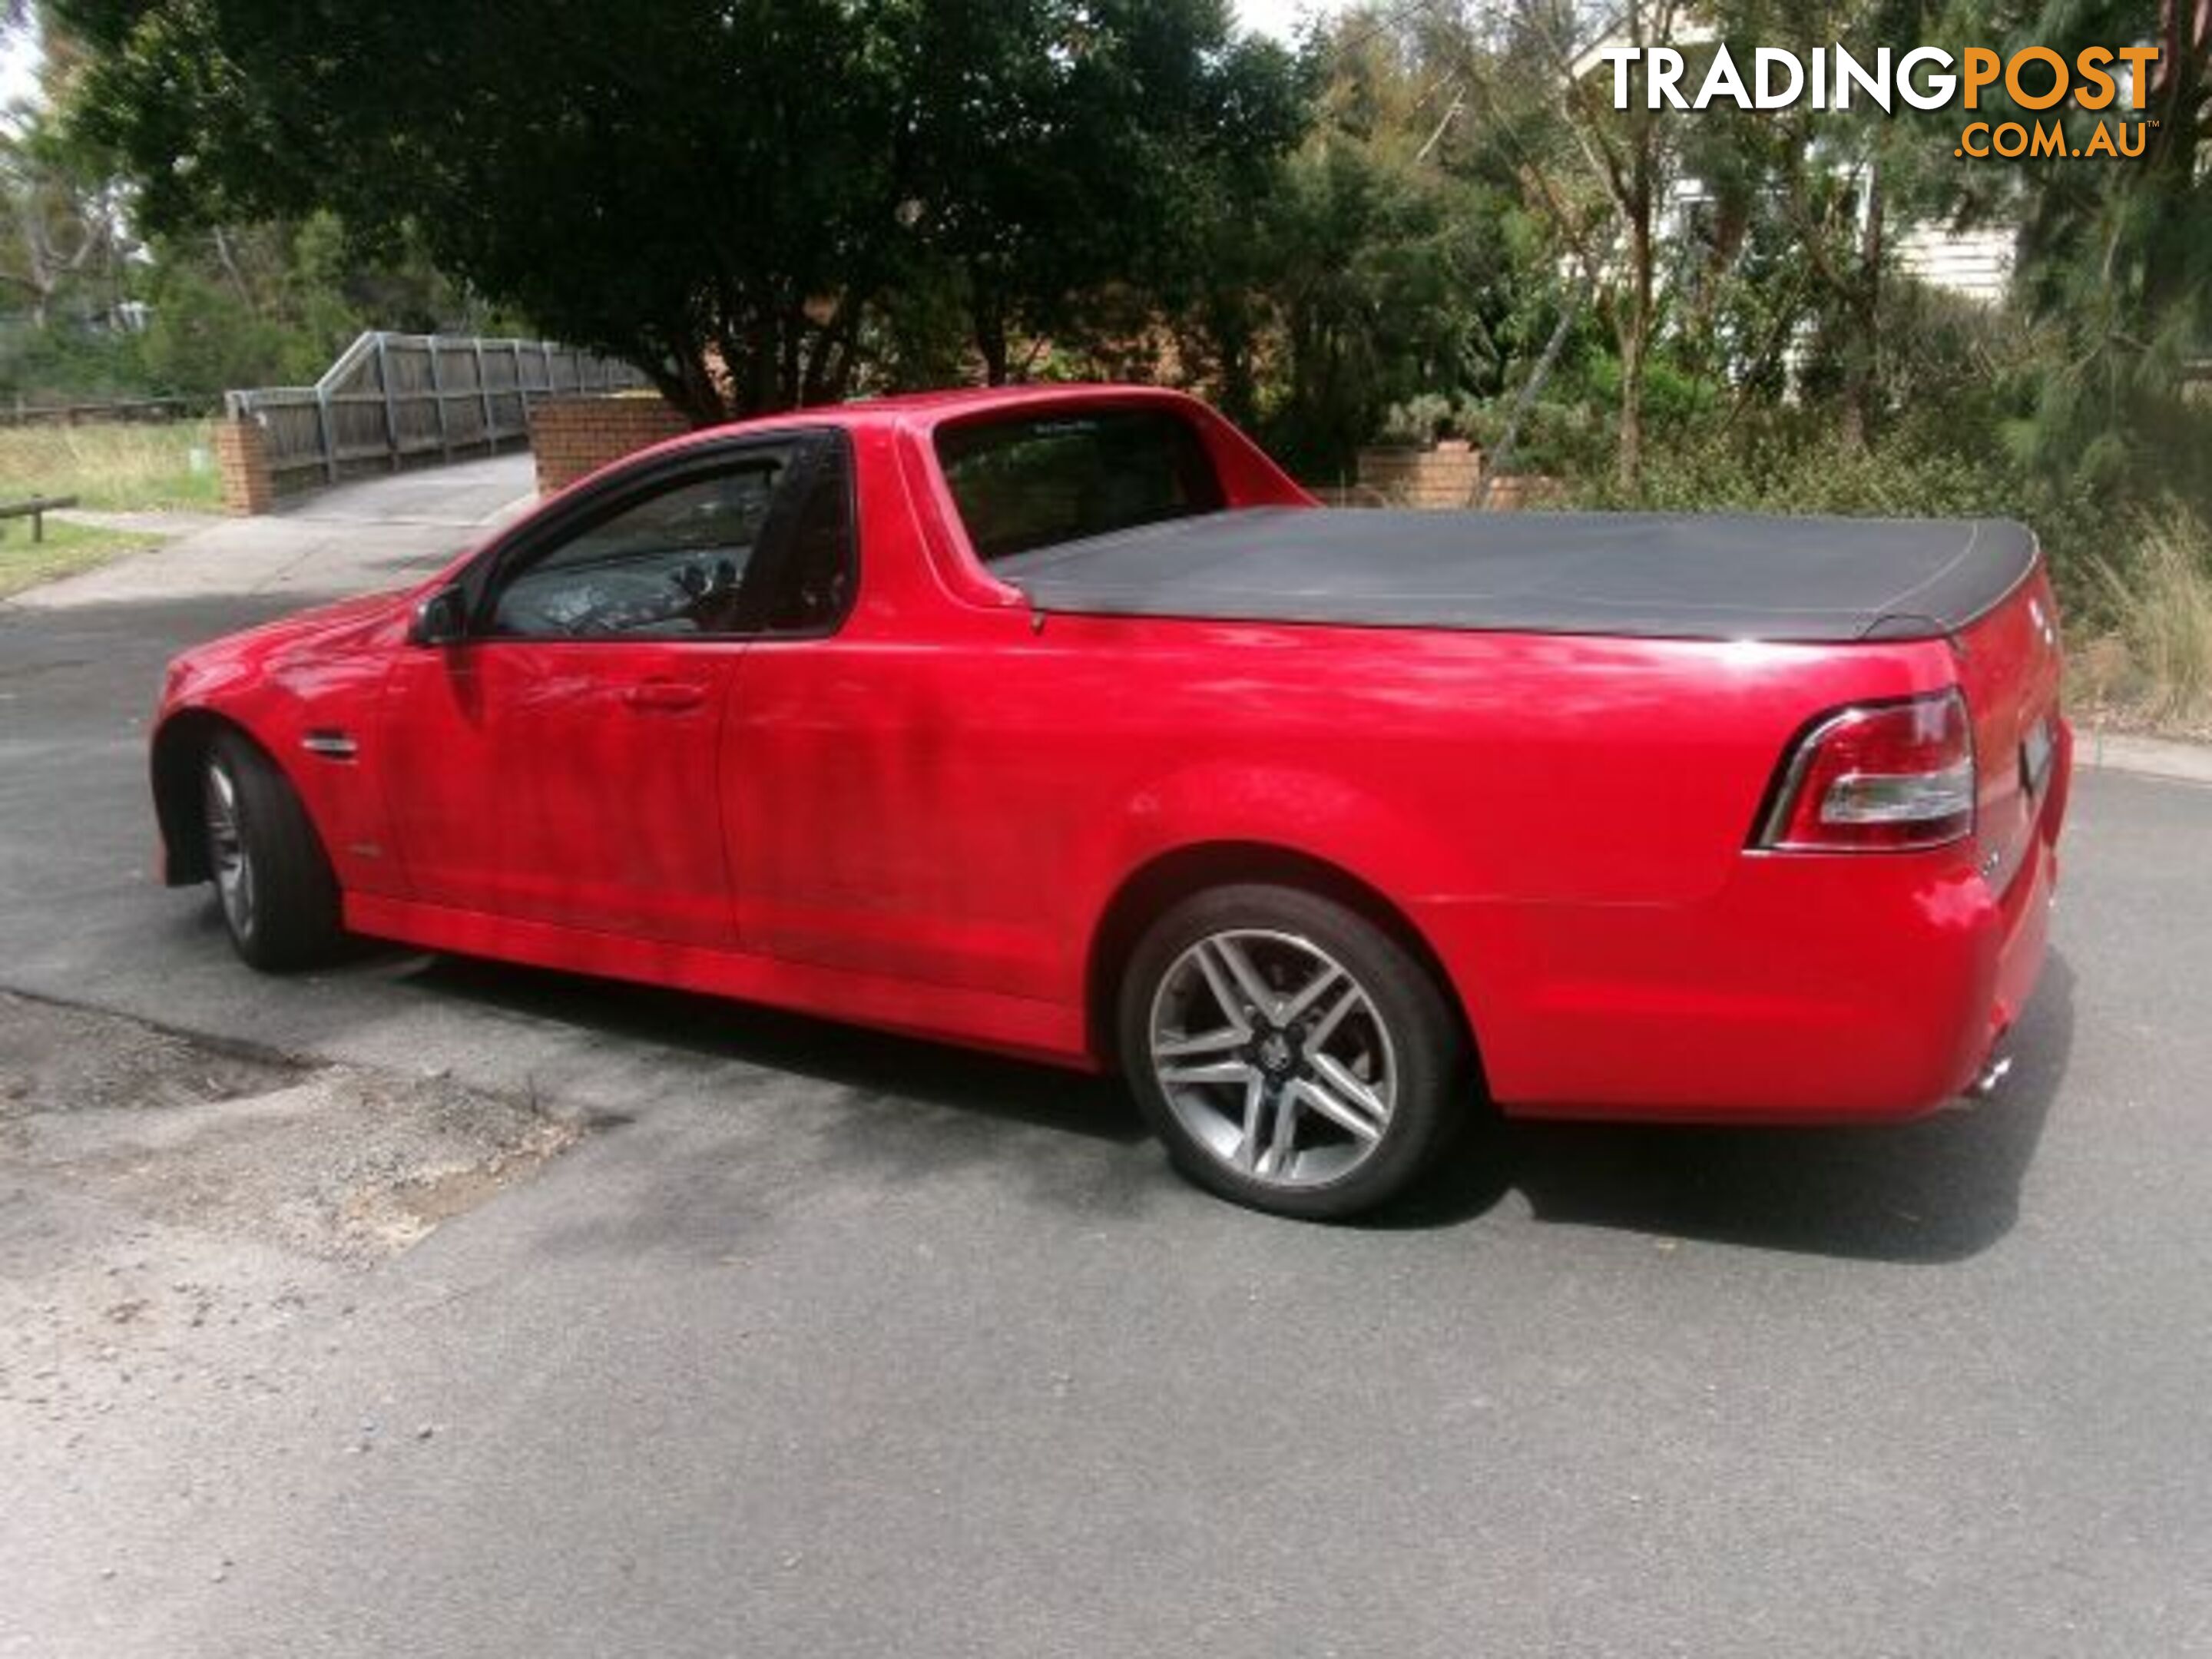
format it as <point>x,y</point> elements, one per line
<point>1059,721</point>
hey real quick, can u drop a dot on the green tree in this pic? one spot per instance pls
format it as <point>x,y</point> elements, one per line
<point>1060,148</point>
<point>1376,271</point>
<point>722,191</point>
<point>2116,257</point>
<point>274,303</point>
<point>1602,176</point>
<point>62,240</point>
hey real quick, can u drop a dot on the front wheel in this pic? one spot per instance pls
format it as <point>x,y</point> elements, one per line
<point>279,899</point>
<point>1292,1054</point>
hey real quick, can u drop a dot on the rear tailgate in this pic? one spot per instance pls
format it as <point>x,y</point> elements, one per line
<point>2009,667</point>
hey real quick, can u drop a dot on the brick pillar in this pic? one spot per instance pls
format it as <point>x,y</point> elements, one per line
<point>1445,478</point>
<point>242,457</point>
<point>1439,478</point>
<point>573,436</point>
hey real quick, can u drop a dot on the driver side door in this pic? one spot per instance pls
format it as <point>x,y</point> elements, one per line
<point>559,763</point>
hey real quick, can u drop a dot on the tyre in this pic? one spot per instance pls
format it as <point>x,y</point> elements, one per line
<point>272,880</point>
<point>1292,1056</point>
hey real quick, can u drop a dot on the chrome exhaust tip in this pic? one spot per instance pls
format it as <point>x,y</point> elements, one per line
<point>1992,1076</point>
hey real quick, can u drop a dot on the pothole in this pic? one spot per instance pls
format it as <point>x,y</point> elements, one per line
<point>56,1058</point>
<point>339,1162</point>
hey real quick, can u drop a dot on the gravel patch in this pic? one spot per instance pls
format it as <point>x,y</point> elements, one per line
<point>169,1203</point>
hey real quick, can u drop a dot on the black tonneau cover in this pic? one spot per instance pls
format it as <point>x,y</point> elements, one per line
<point>1645,576</point>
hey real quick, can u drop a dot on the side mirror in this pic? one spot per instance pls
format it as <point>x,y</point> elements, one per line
<point>442,619</point>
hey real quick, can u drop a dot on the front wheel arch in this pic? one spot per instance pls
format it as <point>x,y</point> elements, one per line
<point>1157,887</point>
<point>179,751</point>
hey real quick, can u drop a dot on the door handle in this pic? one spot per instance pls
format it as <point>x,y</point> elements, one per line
<point>664,696</point>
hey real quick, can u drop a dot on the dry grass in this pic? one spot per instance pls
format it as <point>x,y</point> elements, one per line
<point>2155,667</point>
<point>118,466</point>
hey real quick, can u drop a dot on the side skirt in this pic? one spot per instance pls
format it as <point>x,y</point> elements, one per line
<point>1044,1031</point>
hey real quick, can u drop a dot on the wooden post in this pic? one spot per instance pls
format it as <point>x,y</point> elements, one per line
<point>521,398</point>
<point>390,409</point>
<point>326,435</point>
<point>483,396</point>
<point>438,397</point>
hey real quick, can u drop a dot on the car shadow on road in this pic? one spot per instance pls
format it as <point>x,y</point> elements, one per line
<point>1940,1190</point>
<point>843,1108</point>
<point>870,1063</point>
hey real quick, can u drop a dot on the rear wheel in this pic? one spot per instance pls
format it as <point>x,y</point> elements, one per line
<point>1290,1054</point>
<point>278,897</point>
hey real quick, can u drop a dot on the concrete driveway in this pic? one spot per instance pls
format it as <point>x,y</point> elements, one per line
<point>824,1343</point>
<point>374,532</point>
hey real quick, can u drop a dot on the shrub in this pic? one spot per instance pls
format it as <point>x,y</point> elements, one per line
<point>2160,595</point>
<point>1789,466</point>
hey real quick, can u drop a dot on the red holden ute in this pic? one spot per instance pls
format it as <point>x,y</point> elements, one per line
<point>1059,721</point>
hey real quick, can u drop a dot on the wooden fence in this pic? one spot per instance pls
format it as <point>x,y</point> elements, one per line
<point>391,399</point>
<point>133,409</point>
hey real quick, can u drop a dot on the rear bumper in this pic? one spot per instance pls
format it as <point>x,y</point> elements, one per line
<point>1844,988</point>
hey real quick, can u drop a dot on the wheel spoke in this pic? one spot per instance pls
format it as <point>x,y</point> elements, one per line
<point>233,867</point>
<point>221,814</point>
<point>1256,991</point>
<point>1346,1082</point>
<point>1328,975</point>
<point>1345,1114</point>
<point>1256,1112</point>
<point>1218,1070</point>
<point>1205,1043</point>
<point>1325,1027</point>
<point>1232,1005</point>
<point>1282,1148</point>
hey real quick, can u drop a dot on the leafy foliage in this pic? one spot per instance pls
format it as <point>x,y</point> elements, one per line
<point>722,191</point>
<point>2115,271</point>
<point>90,309</point>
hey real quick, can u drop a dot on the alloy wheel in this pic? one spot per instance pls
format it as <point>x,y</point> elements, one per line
<point>227,853</point>
<point>1274,1057</point>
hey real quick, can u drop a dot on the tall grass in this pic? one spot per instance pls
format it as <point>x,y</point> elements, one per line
<point>2159,597</point>
<point>120,466</point>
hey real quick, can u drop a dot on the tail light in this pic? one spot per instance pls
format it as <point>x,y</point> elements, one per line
<point>1876,777</point>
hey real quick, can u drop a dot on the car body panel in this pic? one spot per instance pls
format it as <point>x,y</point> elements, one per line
<point>502,759</point>
<point>925,819</point>
<point>314,674</point>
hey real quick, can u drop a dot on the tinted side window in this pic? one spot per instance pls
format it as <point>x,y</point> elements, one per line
<point>814,581</point>
<point>672,564</point>
<point>1033,480</point>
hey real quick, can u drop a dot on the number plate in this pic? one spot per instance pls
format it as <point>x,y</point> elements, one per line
<point>2035,753</point>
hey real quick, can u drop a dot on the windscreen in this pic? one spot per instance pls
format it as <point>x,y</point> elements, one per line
<point>1037,480</point>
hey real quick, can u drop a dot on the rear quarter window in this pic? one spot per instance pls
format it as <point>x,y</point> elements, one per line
<point>1036,481</point>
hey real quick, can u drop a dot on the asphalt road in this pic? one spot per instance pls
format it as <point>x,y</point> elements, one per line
<point>823,1343</point>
